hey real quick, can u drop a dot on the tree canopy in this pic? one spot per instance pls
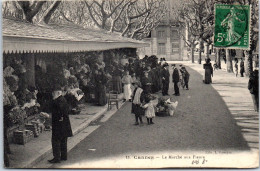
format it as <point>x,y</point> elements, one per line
<point>131,18</point>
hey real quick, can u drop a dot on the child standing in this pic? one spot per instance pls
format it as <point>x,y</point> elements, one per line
<point>138,97</point>
<point>149,110</point>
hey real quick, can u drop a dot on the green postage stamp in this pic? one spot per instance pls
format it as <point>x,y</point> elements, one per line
<point>232,26</point>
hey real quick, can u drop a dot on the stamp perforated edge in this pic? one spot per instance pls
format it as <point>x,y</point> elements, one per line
<point>249,25</point>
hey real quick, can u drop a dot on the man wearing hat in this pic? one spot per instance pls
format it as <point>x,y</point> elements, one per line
<point>146,83</point>
<point>175,80</point>
<point>253,87</point>
<point>61,128</point>
<point>165,79</point>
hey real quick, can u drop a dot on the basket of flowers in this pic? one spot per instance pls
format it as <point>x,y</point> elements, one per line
<point>162,108</point>
<point>17,116</point>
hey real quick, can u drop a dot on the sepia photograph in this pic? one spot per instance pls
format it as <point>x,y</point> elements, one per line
<point>130,84</point>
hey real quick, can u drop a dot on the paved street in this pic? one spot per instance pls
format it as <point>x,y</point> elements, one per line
<point>202,122</point>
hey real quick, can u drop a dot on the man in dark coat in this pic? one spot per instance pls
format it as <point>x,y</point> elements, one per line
<point>253,87</point>
<point>165,79</point>
<point>186,77</point>
<point>143,70</point>
<point>100,90</point>
<point>138,68</point>
<point>61,128</point>
<point>146,83</point>
<point>242,68</point>
<point>175,80</point>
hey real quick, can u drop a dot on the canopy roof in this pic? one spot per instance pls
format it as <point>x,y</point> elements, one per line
<point>20,36</point>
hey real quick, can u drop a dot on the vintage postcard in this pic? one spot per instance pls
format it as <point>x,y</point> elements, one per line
<point>130,84</point>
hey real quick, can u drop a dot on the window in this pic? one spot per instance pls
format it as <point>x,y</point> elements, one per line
<point>161,48</point>
<point>175,47</point>
<point>174,35</point>
<point>161,34</point>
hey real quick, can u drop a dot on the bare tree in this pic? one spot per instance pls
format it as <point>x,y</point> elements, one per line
<point>72,12</point>
<point>198,18</point>
<point>12,8</point>
<point>133,18</point>
<point>142,17</point>
<point>190,40</point>
<point>102,11</point>
<point>48,13</point>
<point>254,36</point>
<point>30,9</point>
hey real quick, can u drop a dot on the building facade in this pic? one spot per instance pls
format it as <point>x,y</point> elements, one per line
<point>166,40</point>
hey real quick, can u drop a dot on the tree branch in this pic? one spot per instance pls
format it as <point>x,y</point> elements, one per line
<point>140,15</point>
<point>91,14</point>
<point>115,8</point>
<point>66,18</point>
<point>117,17</point>
<point>48,13</point>
<point>28,12</point>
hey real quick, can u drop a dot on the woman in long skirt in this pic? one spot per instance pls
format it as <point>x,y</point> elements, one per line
<point>116,78</point>
<point>100,90</point>
<point>208,72</point>
<point>127,81</point>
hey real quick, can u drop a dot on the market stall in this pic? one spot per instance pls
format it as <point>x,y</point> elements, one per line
<point>38,59</point>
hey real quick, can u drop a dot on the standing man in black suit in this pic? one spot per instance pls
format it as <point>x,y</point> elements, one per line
<point>61,128</point>
<point>175,80</point>
<point>165,79</point>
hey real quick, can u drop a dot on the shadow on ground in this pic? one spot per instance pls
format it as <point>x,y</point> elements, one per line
<point>202,122</point>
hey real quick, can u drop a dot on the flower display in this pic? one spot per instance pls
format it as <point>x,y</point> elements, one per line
<point>12,82</point>
<point>162,107</point>
<point>17,115</point>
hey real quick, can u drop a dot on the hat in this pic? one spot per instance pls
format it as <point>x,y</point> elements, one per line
<point>149,97</point>
<point>165,65</point>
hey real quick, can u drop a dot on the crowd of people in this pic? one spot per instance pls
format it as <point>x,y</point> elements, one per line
<point>139,79</point>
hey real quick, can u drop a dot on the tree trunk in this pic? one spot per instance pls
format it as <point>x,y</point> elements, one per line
<point>218,58</point>
<point>200,50</point>
<point>47,15</point>
<point>229,61</point>
<point>192,54</point>
<point>207,51</point>
<point>199,59</point>
<point>248,62</point>
<point>29,13</point>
